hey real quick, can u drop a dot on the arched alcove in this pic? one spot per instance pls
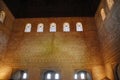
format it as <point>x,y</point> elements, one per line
<point>53,27</point>
<point>19,75</point>
<point>82,75</point>
<point>51,75</point>
<point>66,27</point>
<point>79,27</point>
<point>40,27</point>
<point>2,16</point>
<point>28,27</point>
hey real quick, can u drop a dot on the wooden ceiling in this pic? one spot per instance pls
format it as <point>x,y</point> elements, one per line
<point>52,8</point>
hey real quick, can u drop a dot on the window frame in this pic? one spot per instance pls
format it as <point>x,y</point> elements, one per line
<point>88,73</point>
<point>51,27</point>
<point>53,72</point>
<point>103,14</point>
<point>79,27</point>
<point>40,29</point>
<point>14,73</point>
<point>110,4</point>
<point>29,29</point>
<point>116,75</point>
<point>2,16</point>
<point>65,28</point>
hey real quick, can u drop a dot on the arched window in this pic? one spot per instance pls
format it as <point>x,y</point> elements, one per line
<point>82,75</point>
<point>103,14</point>
<point>28,27</point>
<point>53,27</point>
<point>51,75</point>
<point>79,27</point>
<point>40,27</point>
<point>110,4</point>
<point>20,75</point>
<point>2,16</point>
<point>66,27</point>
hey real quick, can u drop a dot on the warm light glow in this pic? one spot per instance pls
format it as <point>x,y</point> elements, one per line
<point>4,72</point>
<point>110,4</point>
<point>100,72</point>
<point>82,75</point>
<point>49,76</point>
<point>103,14</point>
<point>25,76</point>
<point>56,76</point>
<point>75,76</point>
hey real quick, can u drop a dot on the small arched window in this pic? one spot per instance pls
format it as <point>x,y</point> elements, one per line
<point>40,27</point>
<point>110,4</point>
<point>51,75</point>
<point>2,16</point>
<point>53,27</point>
<point>28,27</point>
<point>79,27</point>
<point>66,27</point>
<point>82,75</point>
<point>103,14</point>
<point>20,75</point>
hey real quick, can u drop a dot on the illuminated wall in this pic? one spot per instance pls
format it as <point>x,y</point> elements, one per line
<point>65,52</point>
<point>108,31</point>
<point>5,30</point>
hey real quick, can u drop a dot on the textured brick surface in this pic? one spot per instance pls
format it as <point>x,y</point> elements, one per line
<point>109,35</point>
<point>65,52</point>
<point>60,51</point>
<point>5,30</point>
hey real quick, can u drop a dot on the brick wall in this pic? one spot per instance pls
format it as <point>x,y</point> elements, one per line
<point>109,35</point>
<point>64,52</point>
<point>60,51</point>
<point>5,30</point>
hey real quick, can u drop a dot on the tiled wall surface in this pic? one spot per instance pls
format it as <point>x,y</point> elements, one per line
<point>62,51</point>
<point>65,52</point>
